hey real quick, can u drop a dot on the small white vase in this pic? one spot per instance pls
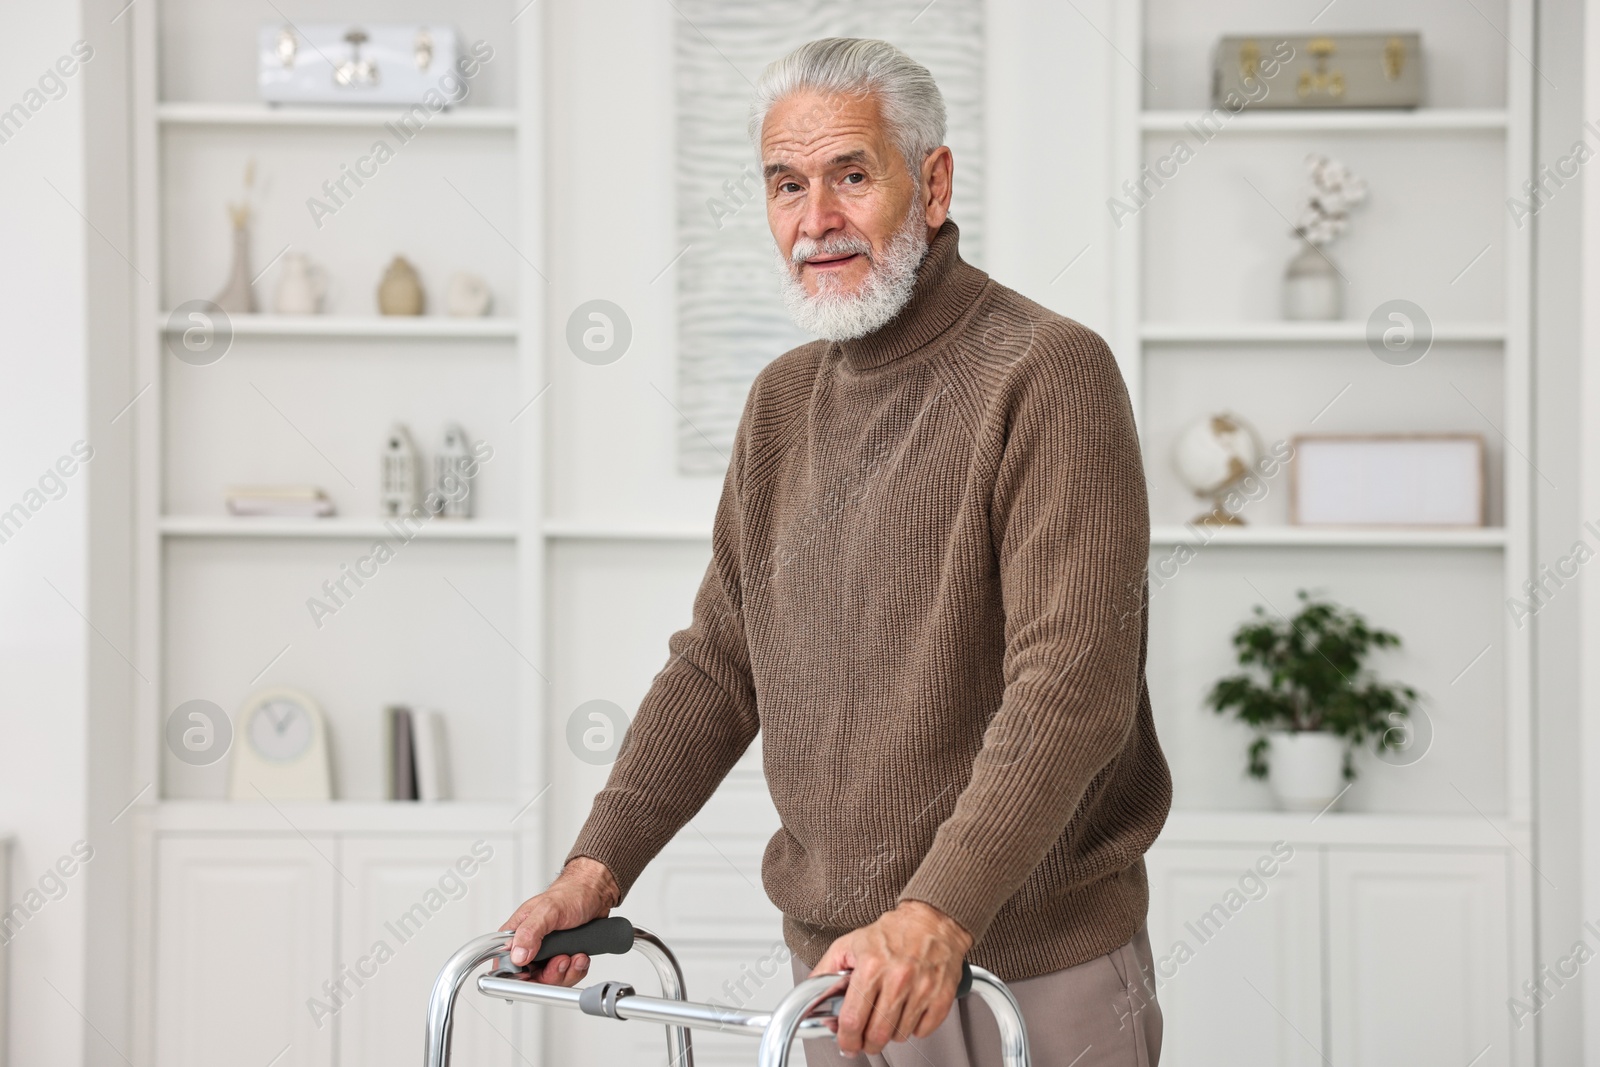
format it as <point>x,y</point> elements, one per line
<point>238,297</point>
<point>1306,768</point>
<point>467,296</point>
<point>1312,288</point>
<point>302,286</point>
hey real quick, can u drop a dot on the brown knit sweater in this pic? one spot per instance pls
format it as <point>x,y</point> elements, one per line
<point>927,591</point>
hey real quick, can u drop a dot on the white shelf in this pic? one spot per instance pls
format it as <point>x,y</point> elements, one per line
<point>374,326</point>
<point>1182,826</point>
<point>1160,536</point>
<point>596,531</point>
<point>407,817</point>
<point>1421,120</point>
<point>1338,332</point>
<point>1360,829</point>
<point>1329,537</point>
<point>288,116</point>
<point>331,527</point>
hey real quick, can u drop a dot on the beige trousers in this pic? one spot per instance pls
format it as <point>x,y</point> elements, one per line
<point>1102,1013</point>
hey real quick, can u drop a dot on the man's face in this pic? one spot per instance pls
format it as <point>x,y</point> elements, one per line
<point>833,176</point>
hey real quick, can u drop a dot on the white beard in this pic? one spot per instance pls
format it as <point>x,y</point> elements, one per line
<point>836,315</point>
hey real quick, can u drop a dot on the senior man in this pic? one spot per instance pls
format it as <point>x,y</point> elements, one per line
<point>927,592</point>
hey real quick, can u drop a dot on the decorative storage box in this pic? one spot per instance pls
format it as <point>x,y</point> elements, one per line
<point>1354,70</point>
<point>338,63</point>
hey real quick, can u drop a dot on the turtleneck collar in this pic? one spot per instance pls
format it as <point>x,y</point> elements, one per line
<point>946,286</point>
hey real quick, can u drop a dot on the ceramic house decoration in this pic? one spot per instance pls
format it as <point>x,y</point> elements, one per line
<point>401,471</point>
<point>452,478</point>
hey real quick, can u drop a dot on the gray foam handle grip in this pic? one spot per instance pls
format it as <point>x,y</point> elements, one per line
<point>609,936</point>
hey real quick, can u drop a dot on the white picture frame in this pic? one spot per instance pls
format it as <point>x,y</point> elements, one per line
<point>1408,480</point>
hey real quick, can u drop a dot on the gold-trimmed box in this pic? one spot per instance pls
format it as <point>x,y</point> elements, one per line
<point>1359,70</point>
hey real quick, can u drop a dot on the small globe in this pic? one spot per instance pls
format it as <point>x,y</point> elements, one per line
<point>1212,455</point>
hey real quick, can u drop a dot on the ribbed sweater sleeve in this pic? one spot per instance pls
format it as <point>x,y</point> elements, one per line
<point>694,723</point>
<point>1070,528</point>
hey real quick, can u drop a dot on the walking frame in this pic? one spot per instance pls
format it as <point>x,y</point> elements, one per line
<point>804,1012</point>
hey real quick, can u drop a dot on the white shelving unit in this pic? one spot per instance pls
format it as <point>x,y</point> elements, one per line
<point>611,582</point>
<point>292,400</point>
<point>1263,348</point>
<point>178,138</point>
<point>1193,327</point>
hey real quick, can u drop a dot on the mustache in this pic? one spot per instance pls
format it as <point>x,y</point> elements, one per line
<point>840,245</point>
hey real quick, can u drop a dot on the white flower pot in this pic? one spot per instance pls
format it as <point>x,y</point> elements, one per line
<point>1306,769</point>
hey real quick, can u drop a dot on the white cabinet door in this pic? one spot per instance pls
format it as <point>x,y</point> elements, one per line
<point>410,902</point>
<point>1419,961</point>
<point>244,939</point>
<point>1237,946</point>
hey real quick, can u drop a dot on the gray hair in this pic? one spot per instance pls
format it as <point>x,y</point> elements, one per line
<point>913,107</point>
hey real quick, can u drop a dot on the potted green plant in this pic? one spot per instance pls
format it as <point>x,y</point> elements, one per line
<point>1309,696</point>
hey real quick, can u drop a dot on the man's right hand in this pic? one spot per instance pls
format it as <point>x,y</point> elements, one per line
<point>584,890</point>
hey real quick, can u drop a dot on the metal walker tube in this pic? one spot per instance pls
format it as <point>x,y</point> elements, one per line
<point>804,1012</point>
<point>652,948</point>
<point>807,996</point>
<point>478,951</point>
<point>442,1002</point>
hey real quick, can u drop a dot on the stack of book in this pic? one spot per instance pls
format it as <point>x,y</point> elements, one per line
<point>281,501</point>
<point>418,760</point>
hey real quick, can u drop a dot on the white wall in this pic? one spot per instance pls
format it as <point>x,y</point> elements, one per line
<point>67,286</point>
<point>44,642</point>
<point>1557,303</point>
<point>611,230</point>
<point>1588,706</point>
<point>117,665</point>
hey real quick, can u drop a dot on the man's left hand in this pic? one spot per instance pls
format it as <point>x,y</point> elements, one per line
<point>906,968</point>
